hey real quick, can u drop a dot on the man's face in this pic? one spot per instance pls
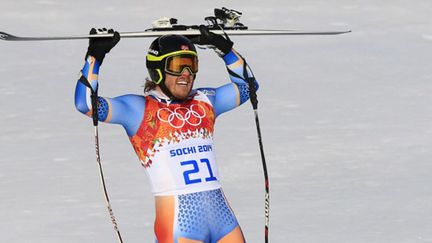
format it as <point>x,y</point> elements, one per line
<point>180,86</point>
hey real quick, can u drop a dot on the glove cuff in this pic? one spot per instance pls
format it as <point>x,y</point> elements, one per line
<point>223,45</point>
<point>98,55</point>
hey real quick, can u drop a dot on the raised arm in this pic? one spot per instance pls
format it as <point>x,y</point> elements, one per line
<point>231,95</point>
<point>126,110</point>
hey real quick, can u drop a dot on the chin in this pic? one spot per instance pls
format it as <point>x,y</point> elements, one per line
<point>180,98</point>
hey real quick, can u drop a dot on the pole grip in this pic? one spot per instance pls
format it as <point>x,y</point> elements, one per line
<point>252,93</point>
<point>94,101</point>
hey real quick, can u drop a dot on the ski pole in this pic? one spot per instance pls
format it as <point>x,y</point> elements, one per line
<point>250,80</point>
<point>254,101</point>
<point>111,213</point>
<point>94,102</point>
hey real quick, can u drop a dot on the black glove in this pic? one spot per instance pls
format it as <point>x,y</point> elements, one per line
<point>223,46</point>
<point>100,46</point>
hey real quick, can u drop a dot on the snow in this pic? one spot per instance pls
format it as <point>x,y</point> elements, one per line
<point>346,122</point>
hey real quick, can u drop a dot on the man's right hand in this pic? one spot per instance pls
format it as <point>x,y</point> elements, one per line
<point>100,46</point>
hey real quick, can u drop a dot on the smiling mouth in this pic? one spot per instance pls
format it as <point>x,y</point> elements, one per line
<point>182,83</point>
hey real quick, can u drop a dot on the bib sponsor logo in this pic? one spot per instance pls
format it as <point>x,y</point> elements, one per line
<point>190,150</point>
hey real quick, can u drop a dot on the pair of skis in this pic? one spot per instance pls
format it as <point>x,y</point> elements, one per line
<point>156,33</point>
<point>224,21</point>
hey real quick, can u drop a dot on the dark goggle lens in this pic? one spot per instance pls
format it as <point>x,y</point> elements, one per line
<point>176,64</point>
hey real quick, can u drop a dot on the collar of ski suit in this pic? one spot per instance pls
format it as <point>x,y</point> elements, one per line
<point>161,97</point>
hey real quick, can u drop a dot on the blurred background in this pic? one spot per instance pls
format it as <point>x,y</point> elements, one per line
<point>346,122</point>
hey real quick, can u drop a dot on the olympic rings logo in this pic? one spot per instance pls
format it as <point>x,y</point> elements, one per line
<point>178,117</point>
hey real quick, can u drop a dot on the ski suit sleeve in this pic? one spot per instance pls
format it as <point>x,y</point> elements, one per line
<point>231,95</point>
<point>126,110</point>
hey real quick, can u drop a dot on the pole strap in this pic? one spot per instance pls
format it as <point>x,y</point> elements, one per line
<point>94,99</point>
<point>250,80</point>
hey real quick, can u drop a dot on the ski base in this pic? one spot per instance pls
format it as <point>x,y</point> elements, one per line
<point>224,21</point>
<point>142,34</point>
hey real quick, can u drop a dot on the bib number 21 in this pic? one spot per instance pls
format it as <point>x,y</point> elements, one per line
<point>196,169</point>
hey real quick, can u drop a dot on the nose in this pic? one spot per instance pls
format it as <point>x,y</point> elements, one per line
<point>186,72</point>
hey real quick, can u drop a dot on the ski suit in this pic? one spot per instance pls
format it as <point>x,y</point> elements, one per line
<point>174,142</point>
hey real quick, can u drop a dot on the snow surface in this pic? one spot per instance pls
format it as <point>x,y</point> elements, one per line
<point>346,122</point>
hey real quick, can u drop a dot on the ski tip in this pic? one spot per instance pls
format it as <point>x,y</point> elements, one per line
<point>5,36</point>
<point>337,32</point>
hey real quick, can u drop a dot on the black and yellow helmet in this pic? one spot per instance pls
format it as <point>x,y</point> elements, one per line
<point>171,54</point>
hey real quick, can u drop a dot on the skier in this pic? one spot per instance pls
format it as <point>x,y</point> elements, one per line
<point>171,130</point>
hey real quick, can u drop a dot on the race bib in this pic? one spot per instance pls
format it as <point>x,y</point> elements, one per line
<point>188,168</point>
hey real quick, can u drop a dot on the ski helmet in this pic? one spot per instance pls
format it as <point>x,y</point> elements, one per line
<point>171,54</point>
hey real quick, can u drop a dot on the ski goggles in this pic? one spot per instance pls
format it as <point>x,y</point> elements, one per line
<point>176,64</point>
